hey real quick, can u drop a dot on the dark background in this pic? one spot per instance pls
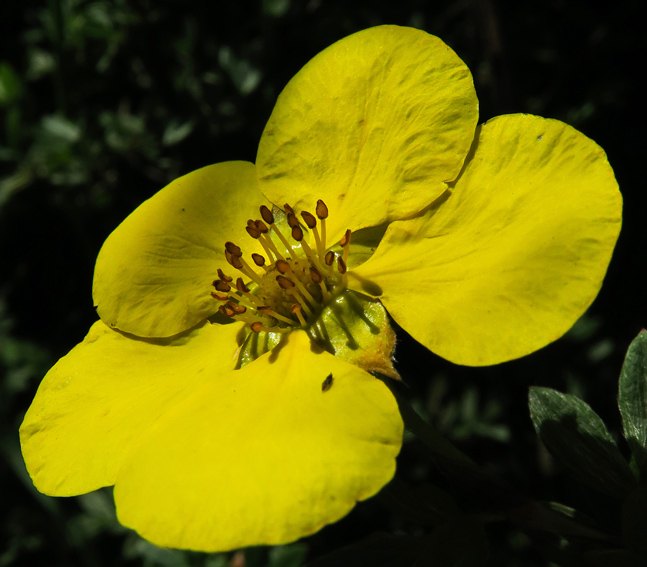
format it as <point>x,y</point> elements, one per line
<point>103,103</point>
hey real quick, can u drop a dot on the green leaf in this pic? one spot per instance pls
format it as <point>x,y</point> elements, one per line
<point>11,88</point>
<point>577,437</point>
<point>632,398</point>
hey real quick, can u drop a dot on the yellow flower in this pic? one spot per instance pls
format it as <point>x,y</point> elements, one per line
<point>484,243</point>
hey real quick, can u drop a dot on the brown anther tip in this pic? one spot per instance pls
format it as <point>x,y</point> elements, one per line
<point>288,209</point>
<point>257,326</point>
<point>226,310</point>
<point>262,227</point>
<point>235,261</point>
<point>240,286</point>
<point>233,249</point>
<point>345,240</point>
<point>296,308</point>
<point>341,265</point>
<point>237,308</point>
<point>322,210</point>
<point>309,219</point>
<point>252,231</point>
<point>284,282</point>
<point>264,309</point>
<point>267,215</point>
<point>223,277</point>
<point>222,286</point>
<point>315,276</point>
<point>219,296</point>
<point>329,258</point>
<point>292,220</point>
<point>282,266</point>
<point>297,233</point>
<point>258,259</point>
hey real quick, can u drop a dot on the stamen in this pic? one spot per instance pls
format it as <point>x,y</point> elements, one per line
<point>257,327</point>
<point>322,213</point>
<point>233,249</point>
<point>341,265</point>
<point>316,277</point>
<point>259,260</point>
<point>240,286</point>
<point>311,221</point>
<point>296,310</point>
<point>265,310</point>
<point>297,233</point>
<point>288,209</point>
<point>289,285</point>
<point>284,267</point>
<point>223,277</point>
<point>222,286</point>
<point>227,311</point>
<point>262,227</point>
<point>329,259</point>
<point>267,215</point>
<point>252,231</point>
<point>345,243</point>
<point>219,296</point>
<point>240,264</point>
<point>292,220</point>
<point>283,240</point>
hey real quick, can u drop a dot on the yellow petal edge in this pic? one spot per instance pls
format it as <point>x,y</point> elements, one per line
<point>265,455</point>
<point>105,393</point>
<point>154,273</point>
<point>375,125</point>
<point>514,255</point>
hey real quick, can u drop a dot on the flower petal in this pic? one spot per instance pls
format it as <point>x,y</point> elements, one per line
<point>509,260</point>
<point>375,125</point>
<point>109,389</point>
<point>154,272</point>
<point>264,457</point>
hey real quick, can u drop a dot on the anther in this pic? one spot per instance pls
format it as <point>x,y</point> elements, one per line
<point>345,240</point>
<point>341,265</point>
<point>240,286</point>
<point>282,266</point>
<point>261,227</point>
<point>257,327</point>
<point>330,258</point>
<point>252,231</point>
<point>233,260</point>
<point>315,276</point>
<point>258,259</point>
<point>219,296</point>
<point>292,220</point>
<point>223,277</point>
<point>267,215</point>
<point>288,209</point>
<point>233,249</point>
<point>309,219</point>
<point>297,233</point>
<point>222,286</point>
<point>296,310</point>
<point>321,210</point>
<point>284,282</point>
<point>236,307</point>
<point>226,310</point>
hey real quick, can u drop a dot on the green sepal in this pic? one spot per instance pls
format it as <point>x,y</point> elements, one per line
<point>578,438</point>
<point>632,399</point>
<point>357,329</point>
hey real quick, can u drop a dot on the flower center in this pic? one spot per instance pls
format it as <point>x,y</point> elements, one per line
<point>300,279</point>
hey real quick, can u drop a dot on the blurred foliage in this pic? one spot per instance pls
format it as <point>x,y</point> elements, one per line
<point>103,102</point>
